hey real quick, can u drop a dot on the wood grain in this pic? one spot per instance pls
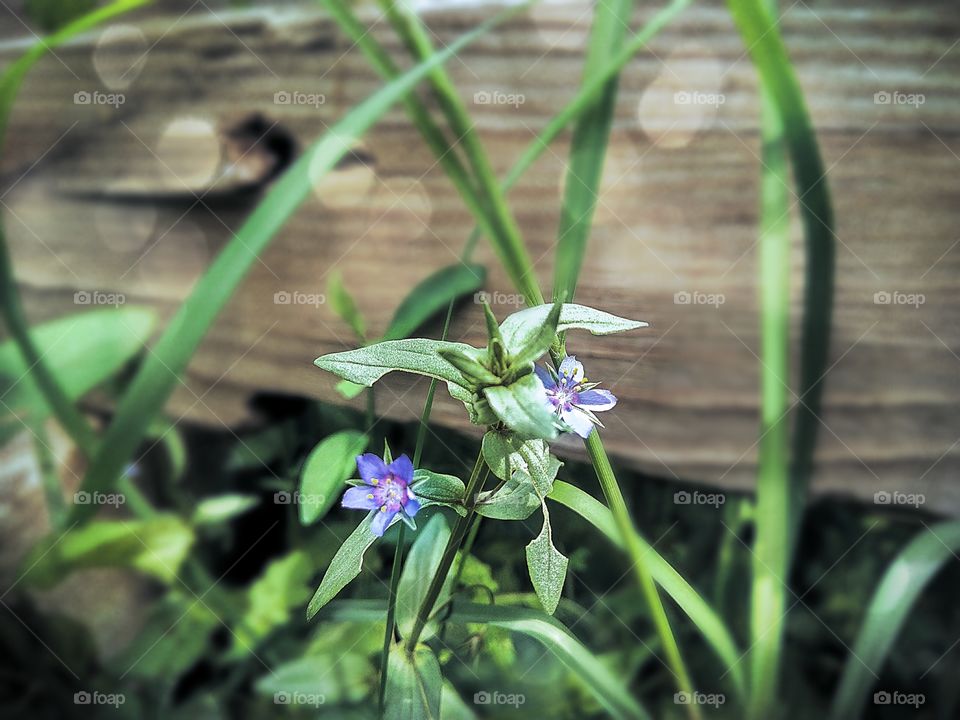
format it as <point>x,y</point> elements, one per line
<point>111,205</point>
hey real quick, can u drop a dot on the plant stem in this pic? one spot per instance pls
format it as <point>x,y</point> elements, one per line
<point>449,555</point>
<point>391,615</point>
<point>618,507</point>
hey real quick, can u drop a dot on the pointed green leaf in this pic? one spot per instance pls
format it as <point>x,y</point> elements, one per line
<point>344,305</point>
<point>521,326</point>
<point>421,565</point>
<point>504,453</point>
<point>366,365</point>
<point>471,368</point>
<point>437,489</point>
<point>537,340</point>
<point>516,500</point>
<point>547,566</point>
<point>328,466</point>
<point>414,685</point>
<point>345,566</point>
<point>523,407</point>
<point>433,295</point>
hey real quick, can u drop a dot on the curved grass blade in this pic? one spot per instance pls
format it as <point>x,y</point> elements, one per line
<point>596,677</point>
<point>780,492</point>
<point>10,306</point>
<point>156,379</point>
<point>708,621</point>
<point>908,575</point>
<point>588,149</point>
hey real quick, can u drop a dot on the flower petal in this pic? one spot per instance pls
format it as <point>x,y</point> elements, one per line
<point>382,521</point>
<point>402,469</point>
<point>572,369</point>
<point>412,507</point>
<point>597,399</point>
<point>360,498</point>
<point>578,421</point>
<point>545,377</point>
<point>371,468</point>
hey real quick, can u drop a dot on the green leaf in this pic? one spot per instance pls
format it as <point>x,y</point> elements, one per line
<point>536,340</point>
<point>519,328</point>
<point>345,566</point>
<point>437,489</point>
<point>220,509</point>
<point>903,582</point>
<point>547,566</point>
<point>366,365</point>
<point>473,371</point>
<point>155,547</point>
<point>504,453</point>
<point>414,685</point>
<point>433,295</point>
<point>421,565</point>
<point>159,374</point>
<point>343,305</point>
<point>516,500</point>
<point>271,598</point>
<point>90,347</point>
<point>522,406</point>
<point>708,621</point>
<point>348,389</point>
<point>328,466</point>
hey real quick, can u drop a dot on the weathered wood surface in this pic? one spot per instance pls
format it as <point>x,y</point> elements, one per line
<point>109,206</point>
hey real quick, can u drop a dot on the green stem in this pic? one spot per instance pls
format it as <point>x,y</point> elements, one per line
<point>391,615</point>
<point>618,508</point>
<point>449,555</point>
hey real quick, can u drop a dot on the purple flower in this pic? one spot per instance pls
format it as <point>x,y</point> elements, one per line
<point>385,488</point>
<point>573,398</point>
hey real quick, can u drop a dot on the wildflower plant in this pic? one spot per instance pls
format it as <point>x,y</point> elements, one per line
<point>502,390</point>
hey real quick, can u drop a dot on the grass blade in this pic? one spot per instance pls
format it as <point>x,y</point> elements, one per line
<point>905,579</point>
<point>588,149</point>
<point>709,622</point>
<point>781,491</point>
<point>10,306</point>
<point>156,379</point>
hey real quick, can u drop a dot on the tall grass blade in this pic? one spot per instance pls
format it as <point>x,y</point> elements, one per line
<point>782,480</point>
<point>588,149</point>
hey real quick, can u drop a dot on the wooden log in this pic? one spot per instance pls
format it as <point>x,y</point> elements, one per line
<point>111,198</point>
